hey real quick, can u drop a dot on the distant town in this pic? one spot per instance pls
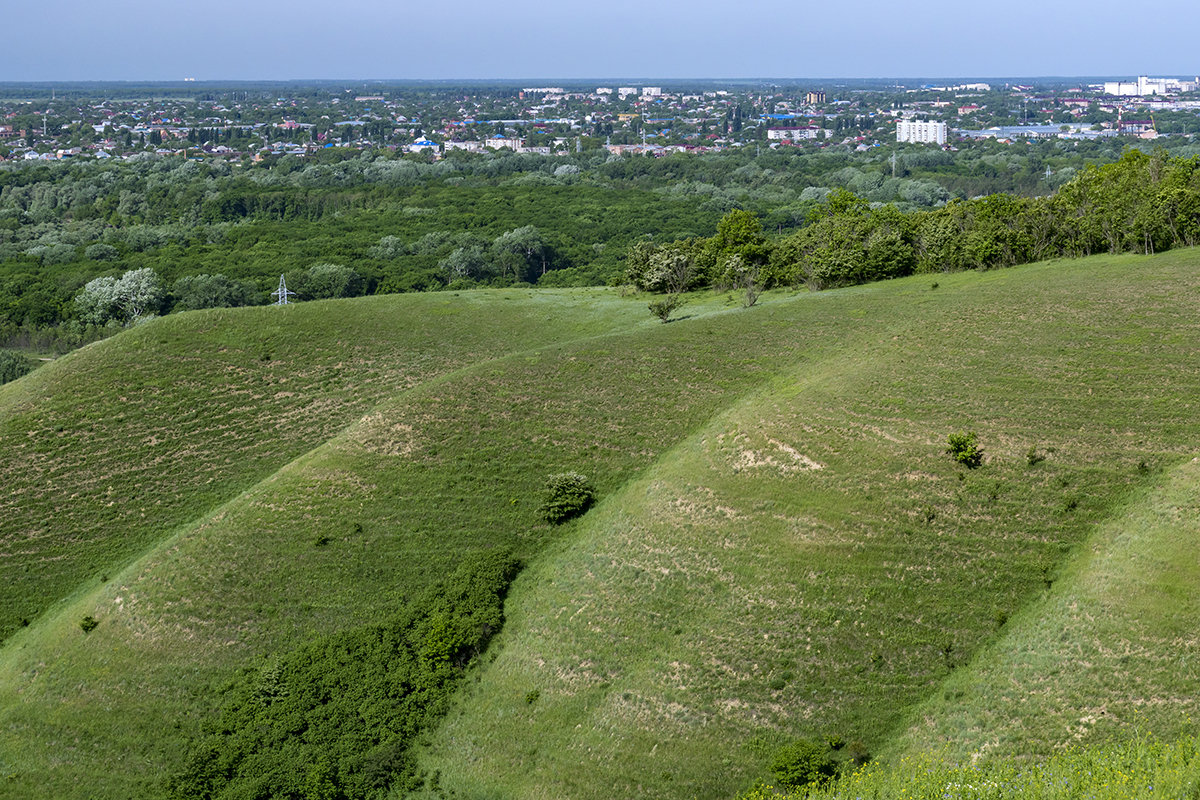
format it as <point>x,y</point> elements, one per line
<point>201,121</point>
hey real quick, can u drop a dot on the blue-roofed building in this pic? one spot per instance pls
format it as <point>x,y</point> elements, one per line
<point>424,146</point>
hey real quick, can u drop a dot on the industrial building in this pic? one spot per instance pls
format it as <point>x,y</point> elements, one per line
<point>1145,87</point>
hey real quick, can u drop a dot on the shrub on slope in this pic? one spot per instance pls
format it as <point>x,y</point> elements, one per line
<point>337,716</point>
<point>13,365</point>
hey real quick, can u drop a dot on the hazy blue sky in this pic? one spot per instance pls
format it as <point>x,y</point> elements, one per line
<point>297,39</point>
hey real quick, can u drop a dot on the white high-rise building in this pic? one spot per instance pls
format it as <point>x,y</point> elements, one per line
<point>911,130</point>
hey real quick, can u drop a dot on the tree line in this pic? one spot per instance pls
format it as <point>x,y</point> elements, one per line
<point>1139,204</point>
<point>395,225</point>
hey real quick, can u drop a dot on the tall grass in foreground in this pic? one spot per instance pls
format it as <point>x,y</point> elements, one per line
<point>1144,767</point>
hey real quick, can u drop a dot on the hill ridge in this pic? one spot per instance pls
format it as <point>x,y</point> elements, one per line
<point>654,726</point>
<point>1115,629</point>
<point>92,423</point>
<point>807,601</point>
<point>62,604</point>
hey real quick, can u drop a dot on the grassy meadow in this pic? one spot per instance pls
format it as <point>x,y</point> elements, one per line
<point>782,546</point>
<point>111,448</point>
<point>811,562</point>
<point>1143,767</point>
<point>1113,643</point>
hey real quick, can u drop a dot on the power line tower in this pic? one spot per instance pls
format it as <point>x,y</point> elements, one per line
<point>282,293</point>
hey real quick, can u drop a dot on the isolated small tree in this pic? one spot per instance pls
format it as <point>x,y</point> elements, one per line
<point>964,449</point>
<point>566,495</point>
<point>664,307</point>
<point>803,763</point>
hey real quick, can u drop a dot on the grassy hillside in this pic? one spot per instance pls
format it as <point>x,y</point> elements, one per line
<point>1143,766</point>
<point>811,562</point>
<point>451,464</point>
<point>782,547</point>
<point>1113,645</point>
<point>109,449</point>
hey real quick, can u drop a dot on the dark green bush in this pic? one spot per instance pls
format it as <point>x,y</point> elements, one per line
<point>14,365</point>
<point>337,717</point>
<point>803,763</point>
<point>88,623</point>
<point>567,495</point>
<point>664,308</point>
<point>964,448</point>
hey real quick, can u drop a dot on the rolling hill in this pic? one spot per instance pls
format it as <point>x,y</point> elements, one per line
<point>782,547</point>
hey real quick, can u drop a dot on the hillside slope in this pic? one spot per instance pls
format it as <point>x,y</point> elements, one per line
<point>812,563</point>
<point>107,450</point>
<point>782,546</point>
<point>1113,646</point>
<point>449,465</point>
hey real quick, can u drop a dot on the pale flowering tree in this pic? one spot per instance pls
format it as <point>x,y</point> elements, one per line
<point>140,293</point>
<point>135,295</point>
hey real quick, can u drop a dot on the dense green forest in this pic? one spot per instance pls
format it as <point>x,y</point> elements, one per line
<point>1140,204</point>
<point>345,224</point>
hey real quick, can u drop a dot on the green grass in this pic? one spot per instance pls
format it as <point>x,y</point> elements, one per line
<point>417,481</point>
<point>1111,647</point>
<point>781,546</point>
<point>1144,767</point>
<point>108,450</point>
<point>735,597</point>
